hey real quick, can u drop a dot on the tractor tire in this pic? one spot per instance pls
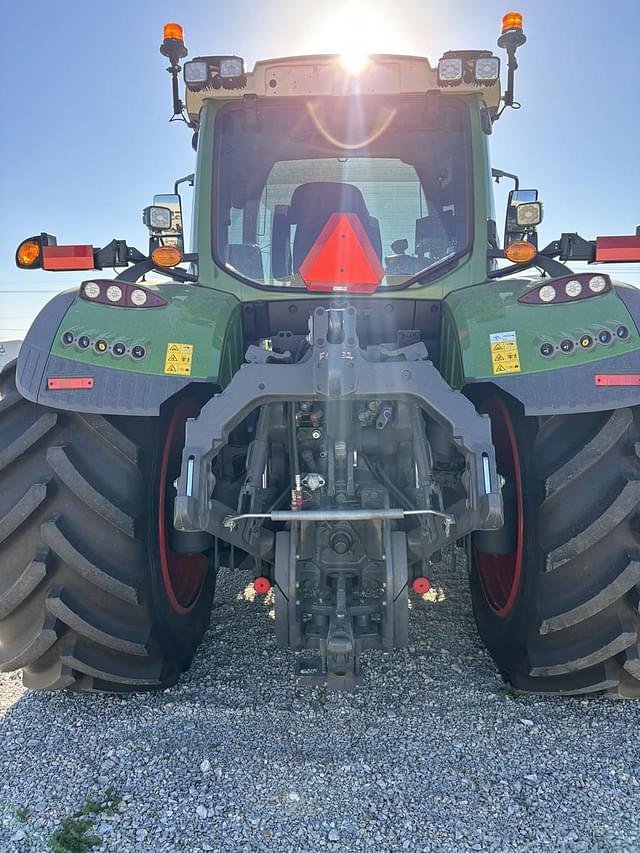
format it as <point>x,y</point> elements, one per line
<point>91,596</point>
<point>558,608</point>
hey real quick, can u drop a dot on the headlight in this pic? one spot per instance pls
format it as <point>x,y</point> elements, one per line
<point>233,66</point>
<point>487,69</point>
<point>450,71</point>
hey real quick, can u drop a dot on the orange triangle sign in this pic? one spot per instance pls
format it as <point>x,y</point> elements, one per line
<point>342,258</point>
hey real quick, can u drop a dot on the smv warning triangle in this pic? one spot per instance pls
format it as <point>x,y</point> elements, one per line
<point>342,258</point>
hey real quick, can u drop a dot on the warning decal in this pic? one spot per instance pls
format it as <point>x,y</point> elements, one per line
<point>505,357</point>
<point>178,359</point>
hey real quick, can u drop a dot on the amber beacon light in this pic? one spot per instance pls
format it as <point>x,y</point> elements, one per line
<point>511,21</point>
<point>173,31</point>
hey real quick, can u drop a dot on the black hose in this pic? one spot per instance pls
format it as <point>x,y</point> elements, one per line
<point>295,459</point>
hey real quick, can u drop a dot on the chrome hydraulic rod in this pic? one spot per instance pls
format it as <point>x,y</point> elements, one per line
<point>338,515</point>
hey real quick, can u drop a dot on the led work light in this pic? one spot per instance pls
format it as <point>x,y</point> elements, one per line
<point>473,67</point>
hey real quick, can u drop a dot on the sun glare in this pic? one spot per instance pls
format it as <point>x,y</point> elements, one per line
<point>354,31</point>
<point>354,61</point>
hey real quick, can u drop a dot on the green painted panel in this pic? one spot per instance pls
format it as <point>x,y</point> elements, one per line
<point>206,319</point>
<point>492,309</point>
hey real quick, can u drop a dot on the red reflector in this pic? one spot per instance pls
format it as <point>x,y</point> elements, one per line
<point>617,378</point>
<point>262,585</point>
<point>67,257</point>
<point>342,258</point>
<point>617,249</point>
<point>70,383</point>
<point>421,586</point>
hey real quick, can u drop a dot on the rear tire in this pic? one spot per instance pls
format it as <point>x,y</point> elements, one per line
<point>83,601</point>
<point>570,623</point>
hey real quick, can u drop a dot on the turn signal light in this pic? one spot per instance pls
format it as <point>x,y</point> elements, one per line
<point>29,254</point>
<point>173,31</point>
<point>511,21</point>
<point>520,252</point>
<point>166,256</point>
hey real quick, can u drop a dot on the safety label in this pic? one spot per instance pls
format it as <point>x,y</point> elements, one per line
<point>178,359</point>
<point>505,357</point>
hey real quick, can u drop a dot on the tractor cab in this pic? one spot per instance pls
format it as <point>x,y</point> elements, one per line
<point>341,178</point>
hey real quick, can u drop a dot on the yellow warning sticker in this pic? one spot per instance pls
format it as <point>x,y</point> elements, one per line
<point>178,359</point>
<point>505,357</point>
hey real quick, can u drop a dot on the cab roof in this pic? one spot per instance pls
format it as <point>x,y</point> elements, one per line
<point>324,75</point>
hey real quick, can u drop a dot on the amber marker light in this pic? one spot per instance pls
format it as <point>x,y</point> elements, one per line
<point>166,256</point>
<point>520,252</point>
<point>511,21</point>
<point>173,31</point>
<point>29,254</point>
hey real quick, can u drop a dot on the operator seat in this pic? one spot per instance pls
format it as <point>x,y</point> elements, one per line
<point>311,206</point>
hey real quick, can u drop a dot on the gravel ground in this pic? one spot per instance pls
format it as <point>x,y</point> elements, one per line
<point>433,755</point>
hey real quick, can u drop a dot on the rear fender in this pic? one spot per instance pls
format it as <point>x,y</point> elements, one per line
<point>194,338</point>
<point>489,338</point>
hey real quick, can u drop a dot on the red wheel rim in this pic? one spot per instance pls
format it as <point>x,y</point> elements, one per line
<point>500,575</point>
<point>182,574</point>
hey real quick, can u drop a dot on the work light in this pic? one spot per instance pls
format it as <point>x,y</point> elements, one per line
<point>196,72</point>
<point>450,71</point>
<point>529,214</point>
<point>486,70</point>
<point>157,218</point>
<point>231,66</point>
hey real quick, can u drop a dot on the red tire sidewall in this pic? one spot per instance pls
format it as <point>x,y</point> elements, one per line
<point>506,634</point>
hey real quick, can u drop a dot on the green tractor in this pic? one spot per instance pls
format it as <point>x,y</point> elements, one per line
<point>342,380</point>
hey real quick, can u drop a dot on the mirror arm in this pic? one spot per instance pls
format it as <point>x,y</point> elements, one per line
<point>498,173</point>
<point>188,179</point>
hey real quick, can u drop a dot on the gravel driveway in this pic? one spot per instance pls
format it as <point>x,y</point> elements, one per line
<point>434,755</point>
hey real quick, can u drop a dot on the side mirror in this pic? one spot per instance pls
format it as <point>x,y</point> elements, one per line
<point>524,214</point>
<point>164,220</point>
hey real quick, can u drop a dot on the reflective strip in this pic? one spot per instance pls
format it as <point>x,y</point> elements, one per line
<point>617,379</point>
<point>70,383</point>
<point>486,471</point>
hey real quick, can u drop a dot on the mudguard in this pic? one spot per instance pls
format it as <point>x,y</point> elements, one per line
<point>194,338</point>
<point>489,338</point>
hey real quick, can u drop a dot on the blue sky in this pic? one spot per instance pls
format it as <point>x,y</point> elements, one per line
<point>86,143</point>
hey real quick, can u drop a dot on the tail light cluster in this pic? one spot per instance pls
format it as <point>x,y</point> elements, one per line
<point>120,294</point>
<point>567,289</point>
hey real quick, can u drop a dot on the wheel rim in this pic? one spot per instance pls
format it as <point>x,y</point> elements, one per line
<point>183,575</point>
<point>500,575</point>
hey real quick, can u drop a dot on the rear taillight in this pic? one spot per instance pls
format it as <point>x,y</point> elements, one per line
<point>120,294</point>
<point>569,288</point>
